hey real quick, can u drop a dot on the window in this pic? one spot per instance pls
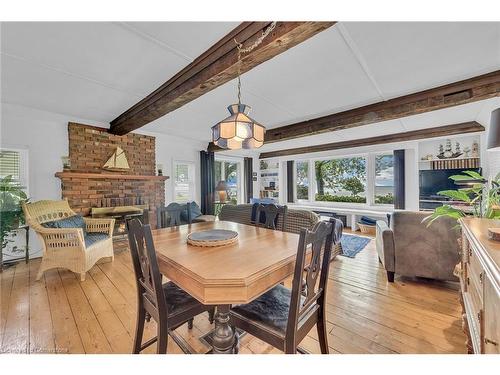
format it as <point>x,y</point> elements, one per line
<point>384,179</point>
<point>341,180</point>
<point>13,162</point>
<point>229,171</point>
<point>302,180</point>
<point>184,182</point>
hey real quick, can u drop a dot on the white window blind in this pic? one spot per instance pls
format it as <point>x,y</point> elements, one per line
<point>14,162</point>
<point>10,164</point>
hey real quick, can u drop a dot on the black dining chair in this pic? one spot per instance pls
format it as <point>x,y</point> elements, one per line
<point>282,317</point>
<point>271,212</point>
<point>170,216</point>
<point>166,303</point>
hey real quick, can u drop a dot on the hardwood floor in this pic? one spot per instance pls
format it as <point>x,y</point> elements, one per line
<point>366,314</point>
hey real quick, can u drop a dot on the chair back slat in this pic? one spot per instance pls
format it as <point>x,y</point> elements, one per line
<point>271,212</point>
<point>147,272</point>
<point>311,270</point>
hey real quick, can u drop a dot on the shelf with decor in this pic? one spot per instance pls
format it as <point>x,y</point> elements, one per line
<point>269,179</point>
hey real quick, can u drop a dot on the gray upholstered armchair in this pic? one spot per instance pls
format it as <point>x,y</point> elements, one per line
<point>410,248</point>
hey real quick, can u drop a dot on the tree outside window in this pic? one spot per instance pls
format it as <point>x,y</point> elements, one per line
<point>302,180</point>
<point>341,180</point>
<point>384,179</point>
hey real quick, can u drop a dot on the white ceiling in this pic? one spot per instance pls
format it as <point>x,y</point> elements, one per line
<point>98,70</point>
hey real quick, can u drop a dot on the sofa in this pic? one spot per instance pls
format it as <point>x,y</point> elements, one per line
<point>295,219</point>
<point>180,214</point>
<point>409,247</point>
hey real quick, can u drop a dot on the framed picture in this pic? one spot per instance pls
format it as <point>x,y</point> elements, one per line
<point>254,178</point>
<point>254,174</point>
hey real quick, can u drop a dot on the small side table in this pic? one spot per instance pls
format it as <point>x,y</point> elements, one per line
<point>27,246</point>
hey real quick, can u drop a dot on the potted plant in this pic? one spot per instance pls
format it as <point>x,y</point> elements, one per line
<point>475,198</point>
<point>11,213</point>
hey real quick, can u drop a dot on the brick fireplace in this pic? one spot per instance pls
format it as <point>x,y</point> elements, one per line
<point>86,185</point>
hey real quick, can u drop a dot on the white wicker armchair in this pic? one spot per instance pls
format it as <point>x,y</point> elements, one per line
<point>65,247</point>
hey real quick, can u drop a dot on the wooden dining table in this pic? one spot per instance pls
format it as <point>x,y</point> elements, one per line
<point>225,275</point>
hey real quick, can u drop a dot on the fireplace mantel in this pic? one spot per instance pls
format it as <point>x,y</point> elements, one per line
<point>104,176</point>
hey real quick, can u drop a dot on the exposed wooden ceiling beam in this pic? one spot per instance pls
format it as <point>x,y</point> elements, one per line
<point>216,66</point>
<point>441,131</point>
<point>462,92</point>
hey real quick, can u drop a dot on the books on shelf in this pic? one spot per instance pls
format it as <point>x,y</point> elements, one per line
<point>455,163</point>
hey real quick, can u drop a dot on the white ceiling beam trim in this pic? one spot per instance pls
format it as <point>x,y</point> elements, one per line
<point>359,57</point>
<point>75,75</point>
<point>150,38</point>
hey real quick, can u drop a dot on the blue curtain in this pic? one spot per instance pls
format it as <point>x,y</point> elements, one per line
<point>207,166</point>
<point>248,168</point>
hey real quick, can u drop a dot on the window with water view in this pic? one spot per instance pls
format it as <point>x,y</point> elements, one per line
<point>384,179</point>
<point>341,180</point>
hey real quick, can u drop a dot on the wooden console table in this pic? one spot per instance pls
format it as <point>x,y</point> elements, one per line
<point>480,286</point>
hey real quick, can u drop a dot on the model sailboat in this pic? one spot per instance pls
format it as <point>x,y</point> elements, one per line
<point>117,161</point>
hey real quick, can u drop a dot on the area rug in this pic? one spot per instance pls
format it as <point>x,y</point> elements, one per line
<point>351,244</point>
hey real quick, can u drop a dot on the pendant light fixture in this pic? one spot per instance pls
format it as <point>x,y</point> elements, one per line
<point>239,130</point>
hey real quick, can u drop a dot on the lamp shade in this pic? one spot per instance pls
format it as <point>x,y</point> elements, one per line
<point>238,130</point>
<point>221,186</point>
<point>494,132</point>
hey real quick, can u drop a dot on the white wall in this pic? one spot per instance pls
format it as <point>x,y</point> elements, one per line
<point>170,148</point>
<point>45,136</point>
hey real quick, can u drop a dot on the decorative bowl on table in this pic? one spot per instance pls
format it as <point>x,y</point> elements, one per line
<point>212,237</point>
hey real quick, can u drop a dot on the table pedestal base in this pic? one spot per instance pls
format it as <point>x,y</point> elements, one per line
<point>225,339</point>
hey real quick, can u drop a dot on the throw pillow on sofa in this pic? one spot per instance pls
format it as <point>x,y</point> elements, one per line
<point>195,212</point>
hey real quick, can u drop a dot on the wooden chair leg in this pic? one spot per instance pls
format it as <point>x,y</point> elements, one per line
<point>82,276</point>
<point>322,336</point>
<point>390,276</point>
<point>139,330</point>
<point>190,323</point>
<point>211,315</point>
<point>162,339</point>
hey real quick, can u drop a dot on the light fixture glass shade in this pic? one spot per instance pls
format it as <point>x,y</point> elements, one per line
<point>238,130</point>
<point>494,131</point>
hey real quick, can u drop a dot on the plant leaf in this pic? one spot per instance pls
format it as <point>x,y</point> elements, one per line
<point>456,195</point>
<point>474,175</point>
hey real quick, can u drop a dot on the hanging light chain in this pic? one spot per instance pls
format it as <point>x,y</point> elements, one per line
<point>250,48</point>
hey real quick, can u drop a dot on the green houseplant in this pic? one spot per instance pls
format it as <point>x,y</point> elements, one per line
<point>11,213</point>
<point>477,198</point>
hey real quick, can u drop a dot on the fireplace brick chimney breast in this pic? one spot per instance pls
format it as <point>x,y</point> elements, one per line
<point>87,185</point>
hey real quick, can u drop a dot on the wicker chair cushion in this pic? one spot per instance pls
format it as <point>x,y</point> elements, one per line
<point>270,309</point>
<point>75,221</point>
<point>177,299</point>
<point>92,238</point>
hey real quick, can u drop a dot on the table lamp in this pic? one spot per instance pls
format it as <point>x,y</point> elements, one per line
<point>221,188</point>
